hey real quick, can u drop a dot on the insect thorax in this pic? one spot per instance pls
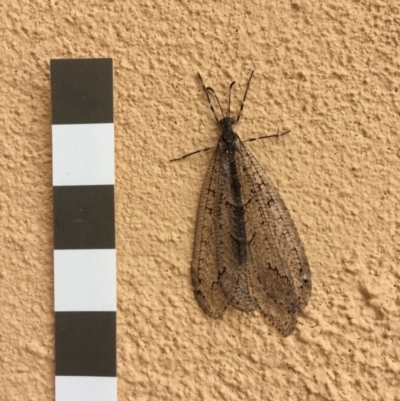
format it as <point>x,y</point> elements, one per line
<point>228,134</point>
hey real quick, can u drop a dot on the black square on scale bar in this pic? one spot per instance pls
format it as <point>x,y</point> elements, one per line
<point>84,217</point>
<point>82,91</point>
<point>85,344</point>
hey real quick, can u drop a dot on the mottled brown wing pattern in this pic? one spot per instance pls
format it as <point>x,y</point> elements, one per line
<point>290,256</point>
<point>275,275</point>
<point>278,272</point>
<point>205,272</point>
<point>233,274</point>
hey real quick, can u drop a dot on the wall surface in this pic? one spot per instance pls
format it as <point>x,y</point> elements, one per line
<point>330,72</point>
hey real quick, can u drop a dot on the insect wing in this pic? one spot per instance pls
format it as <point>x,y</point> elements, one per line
<point>231,235</point>
<point>205,273</point>
<point>278,271</point>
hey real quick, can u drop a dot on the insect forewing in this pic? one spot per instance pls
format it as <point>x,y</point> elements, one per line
<point>283,248</point>
<point>205,273</point>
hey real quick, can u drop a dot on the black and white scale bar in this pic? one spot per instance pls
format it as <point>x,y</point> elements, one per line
<point>84,229</point>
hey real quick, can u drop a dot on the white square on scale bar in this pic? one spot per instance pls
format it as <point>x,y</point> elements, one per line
<point>83,154</point>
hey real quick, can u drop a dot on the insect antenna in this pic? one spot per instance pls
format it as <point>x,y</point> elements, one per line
<point>208,98</point>
<point>244,97</point>
<point>229,104</point>
<point>216,97</point>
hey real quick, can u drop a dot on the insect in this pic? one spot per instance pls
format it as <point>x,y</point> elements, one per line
<point>247,251</point>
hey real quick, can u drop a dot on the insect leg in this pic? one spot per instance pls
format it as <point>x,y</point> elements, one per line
<point>267,136</point>
<point>192,153</point>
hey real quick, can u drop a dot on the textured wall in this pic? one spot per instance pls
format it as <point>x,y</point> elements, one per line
<point>330,72</point>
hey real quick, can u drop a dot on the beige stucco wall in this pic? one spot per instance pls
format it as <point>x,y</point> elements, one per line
<point>330,72</point>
